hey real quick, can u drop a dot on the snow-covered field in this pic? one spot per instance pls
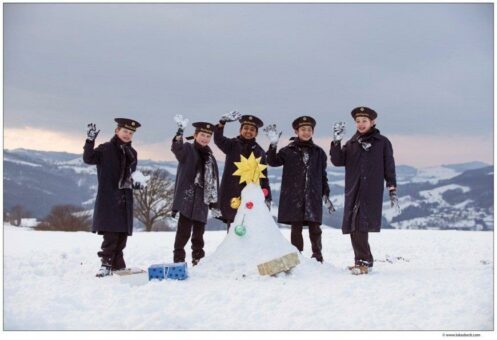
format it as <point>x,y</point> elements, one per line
<point>423,280</point>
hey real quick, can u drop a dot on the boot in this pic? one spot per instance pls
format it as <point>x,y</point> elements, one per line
<point>360,270</point>
<point>318,257</point>
<point>195,262</point>
<point>104,271</point>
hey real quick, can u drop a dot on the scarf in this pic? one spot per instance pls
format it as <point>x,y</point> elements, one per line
<point>303,147</point>
<point>366,139</point>
<point>127,162</point>
<point>206,176</point>
<point>248,146</point>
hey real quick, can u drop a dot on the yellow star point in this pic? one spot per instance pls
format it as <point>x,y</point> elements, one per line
<point>250,169</point>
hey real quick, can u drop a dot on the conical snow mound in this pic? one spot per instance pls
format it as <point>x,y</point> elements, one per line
<point>262,241</point>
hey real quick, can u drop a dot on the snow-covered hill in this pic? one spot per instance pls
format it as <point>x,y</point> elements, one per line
<point>422,280</point>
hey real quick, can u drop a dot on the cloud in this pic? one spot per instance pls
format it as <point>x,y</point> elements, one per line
<point>415,150</point>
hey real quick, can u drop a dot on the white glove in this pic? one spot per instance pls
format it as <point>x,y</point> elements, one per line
<point>394,201</point>
<point>139,180</point>
<point>181,122</point>
<point>230,117</point>
<point>338,131</point>
<point>271,134</point>
<point>92,133</point>
<point>327,203</point>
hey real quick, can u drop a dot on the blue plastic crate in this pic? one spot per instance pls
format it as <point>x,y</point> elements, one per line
<point>174,271</point>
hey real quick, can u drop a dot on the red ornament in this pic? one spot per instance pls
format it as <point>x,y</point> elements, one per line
<point>249,205</point>
<point>265,192</point>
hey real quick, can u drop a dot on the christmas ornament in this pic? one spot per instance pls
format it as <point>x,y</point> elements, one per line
<point>240,230</point>
<point>235,202</point>
<point>265,192</point>
<point>249,205</point>
<point>250,169</point>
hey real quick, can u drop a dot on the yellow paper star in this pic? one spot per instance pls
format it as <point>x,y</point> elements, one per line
<point>250,169</point>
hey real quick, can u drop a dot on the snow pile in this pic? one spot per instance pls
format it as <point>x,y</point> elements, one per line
<point>263,241</point>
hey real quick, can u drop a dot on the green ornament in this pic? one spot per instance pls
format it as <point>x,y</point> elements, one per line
<point>240,230</point>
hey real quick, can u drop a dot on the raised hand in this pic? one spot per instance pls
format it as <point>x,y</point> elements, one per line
<point>182,123</point>
<point>92,133</point>
<point>272,134</point>
<point>338,131</point>
<point>230,117</point>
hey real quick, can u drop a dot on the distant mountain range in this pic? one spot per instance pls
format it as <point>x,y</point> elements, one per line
<point>452,196</point>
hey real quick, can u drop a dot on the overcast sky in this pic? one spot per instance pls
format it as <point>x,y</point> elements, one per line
<point>427,69</point>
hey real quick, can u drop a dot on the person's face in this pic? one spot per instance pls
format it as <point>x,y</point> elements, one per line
<point>203,138</point>
<point>248,131</point>
<point>304,133</point>
<point>124,134</point>
<point>363,124</point>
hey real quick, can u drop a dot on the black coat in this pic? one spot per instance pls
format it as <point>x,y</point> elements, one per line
<point>230,185</point>
<point>365,173</point>
<point>302,187</point>
<point>188,196</point>
<point>113,206</point>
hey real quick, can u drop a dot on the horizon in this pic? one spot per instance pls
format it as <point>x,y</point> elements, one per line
<point>223,161</point>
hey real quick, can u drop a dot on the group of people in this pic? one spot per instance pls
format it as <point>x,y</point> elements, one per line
<point>367,157</point>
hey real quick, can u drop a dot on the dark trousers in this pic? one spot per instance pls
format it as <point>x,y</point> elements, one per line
<point>362,252</point>
<point>183,233</point>
<point>112,250</point>
<point>314,235</point>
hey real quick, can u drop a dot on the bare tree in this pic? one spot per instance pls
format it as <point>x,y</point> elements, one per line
<point>66,218</point>
<point>154,202</point>
<point>17,213</point>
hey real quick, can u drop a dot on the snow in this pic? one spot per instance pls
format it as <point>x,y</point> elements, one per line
<point>80,169</point>
<point>29,222</point>
<point>8,159</point>
<point>263,241</point>
<point>435,195</point>
<point>422,280</point>
<point>139,177</point>
<point>434,174</point>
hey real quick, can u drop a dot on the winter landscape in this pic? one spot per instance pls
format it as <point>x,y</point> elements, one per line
<point>422,280</point>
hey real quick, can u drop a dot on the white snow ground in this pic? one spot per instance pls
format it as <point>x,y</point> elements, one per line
<point>423,280</point>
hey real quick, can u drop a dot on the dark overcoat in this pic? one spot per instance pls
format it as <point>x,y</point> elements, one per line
<point>188,196</point>
<point>302,187</point>
<point>230,185</point>
<point>365,174</point>
<point>113,210</point>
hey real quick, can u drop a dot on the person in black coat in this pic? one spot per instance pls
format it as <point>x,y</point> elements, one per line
<point>368,160</point>
<point>116,160</point>
<point>243,145</point>
<point>196,189</point>
<point>304,184</point>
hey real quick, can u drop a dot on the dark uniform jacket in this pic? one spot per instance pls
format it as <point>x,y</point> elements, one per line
<point>115,162</point>
<point>230,185</point>
<point>188,195</point>
<point>365,173</point>
<point>304,181</point>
